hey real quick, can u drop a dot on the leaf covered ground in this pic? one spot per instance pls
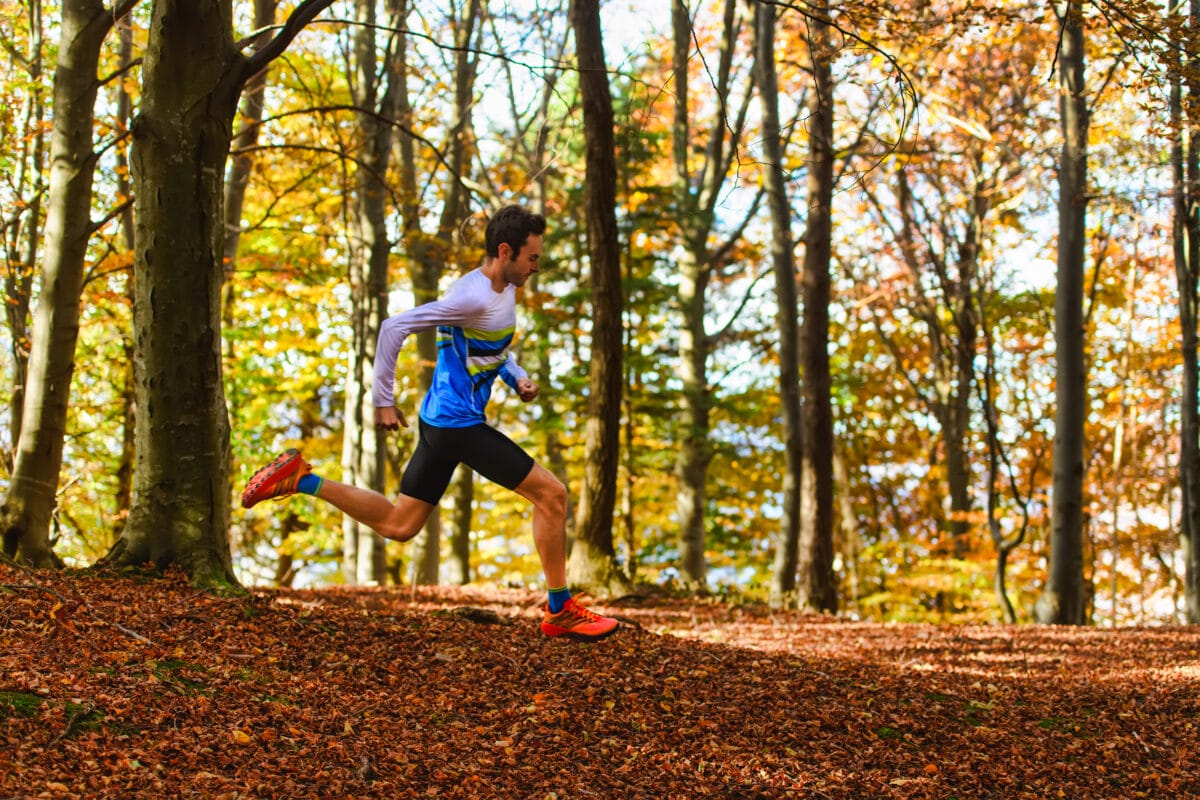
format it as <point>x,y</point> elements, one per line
<point>146,688</point>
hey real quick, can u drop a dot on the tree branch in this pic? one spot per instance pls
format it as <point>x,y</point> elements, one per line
<point>305,13</point>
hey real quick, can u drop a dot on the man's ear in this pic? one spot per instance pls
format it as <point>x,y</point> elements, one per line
<point>505,251</point>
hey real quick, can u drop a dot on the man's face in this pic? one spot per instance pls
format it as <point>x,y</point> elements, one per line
<point>521,265</point>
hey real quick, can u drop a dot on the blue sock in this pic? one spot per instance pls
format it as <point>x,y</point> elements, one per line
<point>558,599</point>
<point>309,484</point>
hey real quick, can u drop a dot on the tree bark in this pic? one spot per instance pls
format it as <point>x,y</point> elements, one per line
<point>31,496</point>
<point>592,562</point>
<point>23,230</point>
<point>430,253</point>
<point>696,193</point>
<point>123,496</point>
<point>787,553</point>
<point>1185,173</point>
<point>375,91</point>
<point>817,589</point>
<point>1063,600</point>
<point>192,77</point>
<point>459,568</point>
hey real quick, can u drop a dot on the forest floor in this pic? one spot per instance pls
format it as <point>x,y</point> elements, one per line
<point>145,688</point>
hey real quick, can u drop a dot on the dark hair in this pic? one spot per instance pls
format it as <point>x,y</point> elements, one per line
<point>512,225</point>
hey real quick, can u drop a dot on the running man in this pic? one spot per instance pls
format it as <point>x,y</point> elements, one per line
<point>475,323</point>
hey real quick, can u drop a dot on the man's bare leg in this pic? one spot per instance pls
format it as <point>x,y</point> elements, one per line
<point>400,521</point>
<point>549,498</point>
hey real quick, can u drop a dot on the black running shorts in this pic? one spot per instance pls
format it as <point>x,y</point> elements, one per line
<point>481,447</point>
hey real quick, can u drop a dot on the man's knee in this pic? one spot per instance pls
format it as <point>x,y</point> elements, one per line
<point>399,533</point>
<point>407,519</point>
<point>544,490</point>
<point>558,496</point>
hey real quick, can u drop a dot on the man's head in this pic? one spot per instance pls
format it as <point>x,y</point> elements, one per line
<point>512,225</point>
<point>514,239</point>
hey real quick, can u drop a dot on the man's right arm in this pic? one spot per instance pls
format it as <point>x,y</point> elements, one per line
<point>392,334</point>
<point>457,309</point>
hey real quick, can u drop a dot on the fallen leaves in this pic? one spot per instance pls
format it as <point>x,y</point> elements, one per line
<point>122,688</point>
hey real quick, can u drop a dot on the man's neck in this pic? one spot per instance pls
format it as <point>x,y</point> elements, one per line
<point>491,270</point>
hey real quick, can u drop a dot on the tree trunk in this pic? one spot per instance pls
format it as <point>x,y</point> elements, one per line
<point>22,237</point>
<point>952,344</point>
<point>191,81</point>
<point>192,77</point>
<point>237,178</point>
<point>695,452</point>
<point>1185,169</point>
<point>123,496</point>
<point>696,192</point>
<point>363,445</point>
<point>459,568</point>
<point>592,562</point>
<point>692,460</point>
<point>851,539</point>
<point>430,254</point>
<point>241,162</point>
<point>31,496</point>
<point>817,587</point>
<point>1063,600</point>
<point>787,553</point>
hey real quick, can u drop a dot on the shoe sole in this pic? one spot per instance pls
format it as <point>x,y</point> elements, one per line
<point>289,460</point>
<point>581,637</point>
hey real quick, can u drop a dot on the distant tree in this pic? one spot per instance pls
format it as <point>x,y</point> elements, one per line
<point>817,587</point>
<point>1064,598</point>
<point>375,91</point>
<point>1185,195</point>
<point>25,515</point>
<point>787,553</point>
<point>704,157</point>
<point>22,226</point>
<point>431,251</point>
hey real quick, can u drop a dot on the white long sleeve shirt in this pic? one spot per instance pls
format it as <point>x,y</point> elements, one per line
<point>475,329</point>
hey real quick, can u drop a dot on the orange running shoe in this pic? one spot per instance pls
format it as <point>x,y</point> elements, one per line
<point>576,622</point>
<point>277,479</point>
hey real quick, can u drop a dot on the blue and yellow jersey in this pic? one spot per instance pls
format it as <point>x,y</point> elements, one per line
<point>475,328</point>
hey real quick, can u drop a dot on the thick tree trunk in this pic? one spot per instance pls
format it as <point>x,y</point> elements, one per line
<point>817,587</point>
<point>592,562</point>
<point>192,76</point>
<point>31,496</point>
<point>191,82</point>
<point>1063,600</point>
<point>787,553</point>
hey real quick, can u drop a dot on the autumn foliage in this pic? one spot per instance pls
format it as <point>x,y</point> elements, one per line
<point>141,687</point>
